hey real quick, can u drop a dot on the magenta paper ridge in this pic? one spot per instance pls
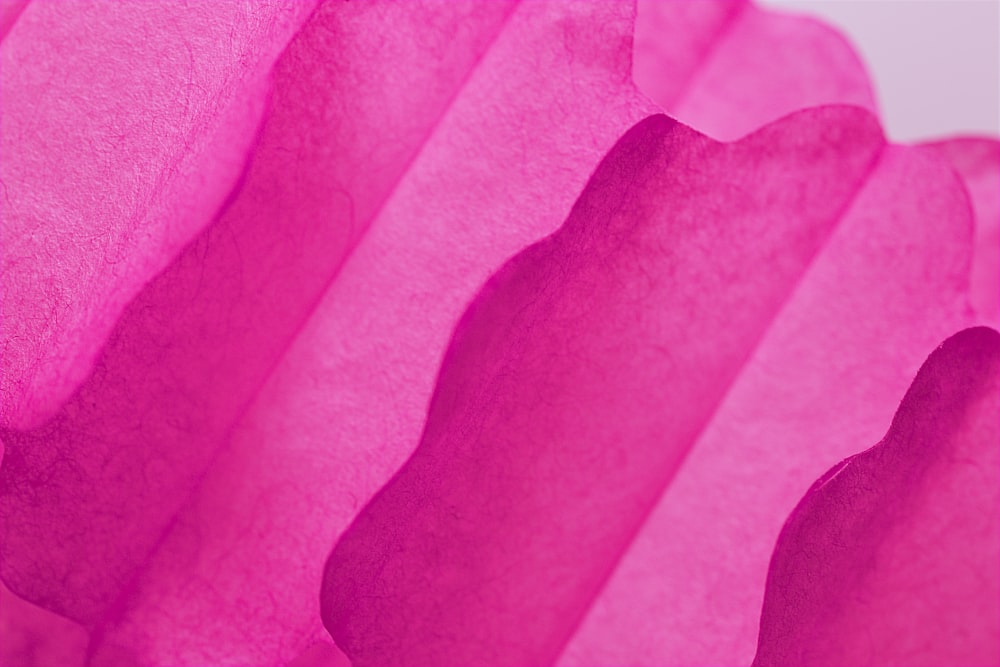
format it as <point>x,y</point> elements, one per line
<point>10,11</point>
<point>344,407</point>
<point>199,571</point>
<point>891,557</point>
<point>690,587</point>
<point>117,151</point>
<point>133,568</point>
<point>551,432</point>
<point>214,323</point>
<point>700,559</point>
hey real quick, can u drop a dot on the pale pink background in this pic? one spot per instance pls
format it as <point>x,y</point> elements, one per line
<point>935,63</point>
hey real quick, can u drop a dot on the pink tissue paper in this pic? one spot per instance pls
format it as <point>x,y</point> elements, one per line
<point>499,332</point>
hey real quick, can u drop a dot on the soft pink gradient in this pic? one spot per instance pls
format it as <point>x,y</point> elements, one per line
<point>237,240</point>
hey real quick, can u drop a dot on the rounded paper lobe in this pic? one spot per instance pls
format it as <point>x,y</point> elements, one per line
<point>891,557</point>
<point>345,405</point>
<point>575,383</point>
<point>689,589</point>
<point>86,496</point>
